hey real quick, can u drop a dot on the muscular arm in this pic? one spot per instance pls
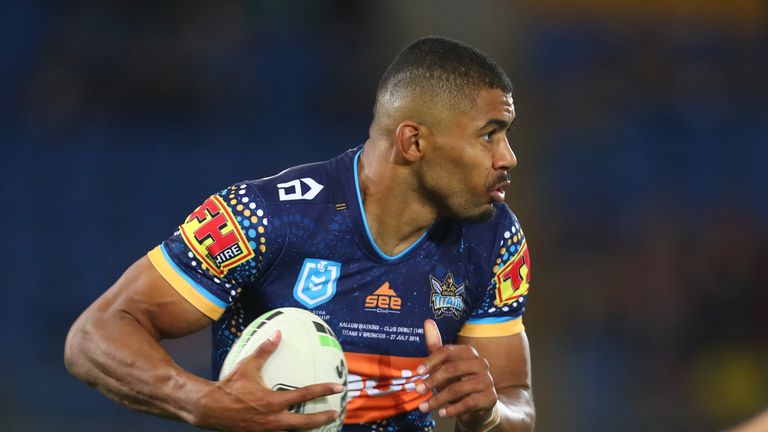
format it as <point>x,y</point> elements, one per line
<point>114,347</point>
<point>510,366</point>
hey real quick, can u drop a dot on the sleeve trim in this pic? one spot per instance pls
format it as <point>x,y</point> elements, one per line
<point>490,320</point>
<point>506,328</point>
<point>201,299</point>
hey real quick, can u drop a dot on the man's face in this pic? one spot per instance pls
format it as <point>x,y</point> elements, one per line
<point>465,169</point>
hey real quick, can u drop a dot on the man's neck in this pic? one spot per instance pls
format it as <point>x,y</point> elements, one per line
<point>397,214</point>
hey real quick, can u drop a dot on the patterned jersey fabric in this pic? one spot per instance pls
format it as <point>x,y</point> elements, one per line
<point>300,239</point>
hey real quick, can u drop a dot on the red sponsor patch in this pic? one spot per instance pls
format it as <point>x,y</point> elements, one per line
<point>215,238</point>
<point>513,280</point>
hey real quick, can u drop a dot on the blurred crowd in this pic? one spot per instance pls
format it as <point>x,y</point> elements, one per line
<point>642,184</point>
<point>654,193</point>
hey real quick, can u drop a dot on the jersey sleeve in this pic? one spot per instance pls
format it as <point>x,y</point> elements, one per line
<point>220,248</point>
<point>500,310</point>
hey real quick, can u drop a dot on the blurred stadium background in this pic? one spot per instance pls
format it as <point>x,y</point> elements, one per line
<point>642,138</point>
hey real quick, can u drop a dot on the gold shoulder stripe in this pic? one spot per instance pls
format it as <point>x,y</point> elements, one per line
<point>182,286</point>
<point>508,328</point>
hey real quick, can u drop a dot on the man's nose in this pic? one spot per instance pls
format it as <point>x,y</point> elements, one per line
<point>504,158</point>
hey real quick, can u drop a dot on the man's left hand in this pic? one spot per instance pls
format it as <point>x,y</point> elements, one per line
<point>460,378</point>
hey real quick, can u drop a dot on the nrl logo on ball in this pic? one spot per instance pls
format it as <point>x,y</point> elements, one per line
<point>447,297</point>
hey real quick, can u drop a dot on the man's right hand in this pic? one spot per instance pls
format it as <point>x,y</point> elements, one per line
<point>114,347</point>
<point>241,401</point>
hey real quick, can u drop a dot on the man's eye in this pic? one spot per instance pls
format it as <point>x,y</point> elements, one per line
<point>488,136</point>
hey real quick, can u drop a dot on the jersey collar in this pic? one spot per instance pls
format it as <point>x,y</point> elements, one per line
<point>368,238</point>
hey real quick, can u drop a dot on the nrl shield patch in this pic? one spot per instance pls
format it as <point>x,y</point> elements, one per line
<point>317,282</point>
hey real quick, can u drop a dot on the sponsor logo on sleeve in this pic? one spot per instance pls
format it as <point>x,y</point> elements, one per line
<point>513,280</point>
<point>293,190</point>
<point>317,282</point>
<point>213,235</point>
<point>447,297</point>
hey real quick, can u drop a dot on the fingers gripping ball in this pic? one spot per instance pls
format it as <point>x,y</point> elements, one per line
<point>308,353</point>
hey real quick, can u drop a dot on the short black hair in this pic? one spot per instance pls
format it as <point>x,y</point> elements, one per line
<point>443,70</point>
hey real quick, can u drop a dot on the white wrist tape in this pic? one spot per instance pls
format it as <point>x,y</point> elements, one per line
<point>491,422</point>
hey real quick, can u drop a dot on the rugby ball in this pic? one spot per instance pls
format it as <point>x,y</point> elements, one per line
<point>308,353</point>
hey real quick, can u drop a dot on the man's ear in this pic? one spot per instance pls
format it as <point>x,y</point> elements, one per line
<point>409,139</point>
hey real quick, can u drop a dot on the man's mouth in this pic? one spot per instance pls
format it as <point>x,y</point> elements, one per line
<point>499,193</point>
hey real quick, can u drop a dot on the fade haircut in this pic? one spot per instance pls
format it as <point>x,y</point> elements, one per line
<point>436,72</point>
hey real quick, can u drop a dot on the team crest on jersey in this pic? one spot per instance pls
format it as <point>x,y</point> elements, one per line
<point>447,297</point>
<point>214,237</point>
<point>317,282</point>
<point>513,280</point>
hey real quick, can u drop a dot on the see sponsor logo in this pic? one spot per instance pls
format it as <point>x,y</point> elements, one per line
<point>383,300</point>
<point>214,237</point>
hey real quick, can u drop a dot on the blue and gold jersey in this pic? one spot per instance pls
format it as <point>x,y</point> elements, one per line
<point>301,239</point>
